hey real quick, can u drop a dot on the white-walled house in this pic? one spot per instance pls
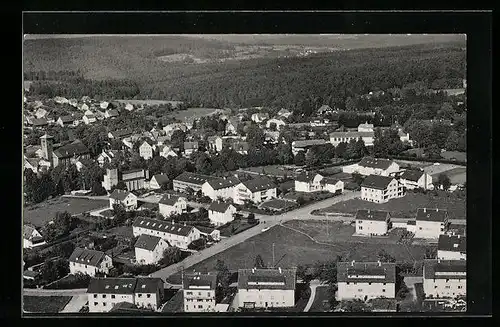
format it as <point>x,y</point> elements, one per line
<point>212,234</point>
<point>89,262</point>
<point>445,278</point>
<point>345,137</point>
<point>381,189</point>
<point>147,149</point>
<point>31,237</point>
<point>157,181</point>
<point>278,122</point>
<point>452,247</point>
<point>255,190</point>
<point>412,179</point>
<point>220,187</point>
<point>199,292</point>
<point>430,223</point>
<point>125,198</point>
<point>188,180</point>
<point>165,151</point>
<point>149,249</point>
<point>373,166</point>
<point>266,288</point>
<point>175,234</point>
<point>172,205</point>
<point>332,185</point>
<point>372,222</point>
<point>259,117</point>
<point>221,213</point>
<point>365,127</point>
<point>366,280</point>
<point>314,183</point>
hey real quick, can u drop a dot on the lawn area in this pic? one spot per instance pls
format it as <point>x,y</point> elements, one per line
<point>45,304</point>
<point>406,207</point>
<point>239,226</point>
<point>41,213</point>
<point>457,175</point>
<point>322,294</point>
<point>192,113</point>
<point>450,155</point>
<point>278,205</point>
<point>175,304</point>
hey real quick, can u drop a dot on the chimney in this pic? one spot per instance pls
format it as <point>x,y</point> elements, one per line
<point>172,221</point>
<point>253,270</point>
<point>279,269</point>
<point>379,263</point>
<point>352,263</point>
<point>425,209</point>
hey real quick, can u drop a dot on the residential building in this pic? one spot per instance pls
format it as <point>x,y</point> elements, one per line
<point>166,151</point>
<point>65,154</point>
<point>105,293</point>
<point>172,205</point>
<point>31,237</point>
<point>157,181</point>
<point>332,185</point>
<point>366,280</point>
<point>444,278</point>
<point>381,189</point>
<point>284,113</point>
<point>372,222</point>
<point>325,110</point>
<point>147,149</point>
<point>112,113</point>
<point>125,198</point>
<point>190,148</point>
<point>308,183</point>
<point>232,127</point>
<point>266,288</point>
<point>106,156</point>
<point>373,166</point>
<point>278,123</point>
<point>66,121</point>
<point>255,190</point>
<point>188,180</point>
<point>412,179</point>
<point>212,143</point>
<point>89,262</point>
<point>452,247</point>
<point>221,213</point>
<point>365,127</point>
<point>120,134</point>
<point>199,292</point>
<point>304,145</point>
<point>430,223</point>
<point>345,137</point>
<point>211,234</point>
<point>220,187</point>
<point>32,163</point>
<point>149,249</point>
<point>240,147</point>
<point>41,113</point>
<point>89,118</point>
<point>259,117</point>
<point>175,234</point>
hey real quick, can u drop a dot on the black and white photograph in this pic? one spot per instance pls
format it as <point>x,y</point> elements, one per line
<point>244,173</point>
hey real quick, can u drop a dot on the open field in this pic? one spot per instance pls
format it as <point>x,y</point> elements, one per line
<point>45,304</point>
<point>272,170</point>
<point>322,294</point>
<point>450,155</point>
<point>192,113</point>
<point>175,303</point>
<point>406,207</point>
<point>41,213</point>
<point>457,175</point>
<point>150,102</point>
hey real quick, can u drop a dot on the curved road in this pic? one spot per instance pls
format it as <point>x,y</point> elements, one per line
<point>312,285</point>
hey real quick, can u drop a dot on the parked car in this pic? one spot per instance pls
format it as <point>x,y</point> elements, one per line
<point>265,229</point>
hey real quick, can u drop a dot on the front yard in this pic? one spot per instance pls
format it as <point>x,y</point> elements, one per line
<point>236,226</point>
<point>320,303</point>
<point>44,304</point>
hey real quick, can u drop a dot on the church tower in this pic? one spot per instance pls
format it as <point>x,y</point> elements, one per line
<point>46,143</point>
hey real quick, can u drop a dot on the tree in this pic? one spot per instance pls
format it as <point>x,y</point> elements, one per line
<point>120,214</point>
<point>98,189</point>
<point>350,104</point>
<point>355,305</point>
<point>430,253</point>
<point>357,178</point>
<point>223,279</point>
<point>64,249</point>
<point>351,151</point>
<point>340,150</point>
<point>433,151</point>
<point>178,138</point>
<point>300,159</point>
<point>285,154</point>
<point>120,186</point>
<point>259,262</point>
<point>255,136</point>
<point>171,255</point>
<point>444,181</point>
<point>383,256</point>
<point>301,200</point>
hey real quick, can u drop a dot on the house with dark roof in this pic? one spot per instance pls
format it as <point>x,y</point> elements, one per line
<point>266,288</point>
<point>366,280</point>
<point>68,153</point>
<point>190,148</point>
<point>125,198</point>
<point>413,179</point>
<point>120,133</point>
<point>106,293</point>
<point>255,190</point>
<point>307,182</point>
<point>89,262</point>
<point>149,249</point>
<point>31,237</point>
<point>221,213</point>
<point>180,235</point>
<point>373,166</point>
<point>324,110</point>
<point>190,180</point>
<point>345,137</point>
<point>452,247</point>
<point>304,145</point>
<point>445,278</point>
<point>381,189</point>
<point>157,181</point>
<point>147,149</point>
<point>365,127</point>
<point>172,205</point>
<point>211,234</point>
<point>372,222</point>
<point>111,113</point>
<point>222,187</point>
<point>67,120</point>
<point>430,223</point>
<point>199,292</point>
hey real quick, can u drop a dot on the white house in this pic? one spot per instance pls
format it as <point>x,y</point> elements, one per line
<point>212,234</point>
<point>284,113</point>
<point>166,151</point>
<point>413,179</point>
<point>452,247</point>
<point>149,249</point>
<point>104,293</point>
<point>31,237</point>
<point>157,181</point>
<point>365,127</point>
<point>175,234</point>
<point>188,180</point>
<point>231,127</point>
<point>366,280</point>
<point>445,278</point>
<point>104,105</point>
<point>112,113</point>
<point>259,117</point>
<point>266,288</point>
<point>190,148</point>
<point>373,166</point>
<point>345,137</point>
<point>221,213</point>
<point>308,183</point>
<point>147,149</point>
<point>277,122</point>
<point>125,198</point>
<point>199,292</point>
<point>332,185</point>
<point>172,205</point>
<point>220,187</point>
<point>89,262</point>
<point>129,107</point>
<point>255,190</point>
<point>372,222</point>
<point>430,223</point>
<point>89,119</point>
<point>304,145</point>
<point>381,189</point>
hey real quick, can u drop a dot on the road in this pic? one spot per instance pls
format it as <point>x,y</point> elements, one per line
<point>312,285</point>
<point>75,304</point>
<point>44,292</point>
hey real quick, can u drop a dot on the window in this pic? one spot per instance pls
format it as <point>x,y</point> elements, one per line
<point>187,307</point>
<point>448,286</point>
<point>104,296</point>
<point>95,296</point>
<point>200,307</point>
<point>199,293</point>
<point>435,287</point>
<point>459,287</point>
<point>360,227</point>
<point>95,303</point>
<point>347,283</point>
<point>112,296</point>
<point>208,293</point>
<point>383,290</point>
<point>199,300</point>
<point>369,283</point>
<point>360,290</point>
<point>104,304</point>
<point>85,266</point>
<point>139,295</point>
<point>384,284</point>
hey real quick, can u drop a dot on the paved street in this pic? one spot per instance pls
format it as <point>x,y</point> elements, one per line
<point>75,304</point>
<point>312,285</point>
<point>44,292</point>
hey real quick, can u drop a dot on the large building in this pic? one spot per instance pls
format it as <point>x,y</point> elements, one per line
<point>175,234</point>
<point>255,190</point>
<point>304,145</point>
<point>199,292</point>
<point>125,198</point>
<point>63,155</point>
<point>430,223</point>
<point>373,166</point>
<point>412,179</point>
<point>372,222</point>
<point>134,179</point>
<point>188,180</point>
<point>381,189</point>
<point>266,288</point>
<point>104,293</point>
<point>452,247</point>
<point>220,187</point>
<point>89,262</point>
<point>338,137</point>
<point>149,249</point>
<point>445,278</point>
<point>366,280</point>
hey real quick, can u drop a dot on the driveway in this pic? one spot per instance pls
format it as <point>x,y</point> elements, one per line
<point>75,304</point>
<point>312,285</point>
<point>410,283</point>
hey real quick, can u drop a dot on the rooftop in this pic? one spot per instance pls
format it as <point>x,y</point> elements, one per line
<point>259,184</point>
<point>366,272</point>
<point>377,182</point>
<point>364,214</point>
<point>219,206</point>
<point>224,182</point>
<point>170,199</point>
<point>162,226</point>
<point>119,195</point>
<point>445,269</point>
<point>192,178</point>
<point>72,149</point>
<point>200,281</point>
<point>147,242</point>
<point>437,215</point>
<point>412,175</point>
<point>283,279</point>
<point>455,243</point>
<point>376,163</point>
<point>87,256</point>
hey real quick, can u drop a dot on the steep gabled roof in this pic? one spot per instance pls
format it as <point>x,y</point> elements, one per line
<point>169,199</point>
<point>412,175</point>
<point>259,184</point>
<point>72,149</point>
<point>87,256</point>
<point>161,178</point>
<point>119,195</point>
<point>220,183</point>
<point>364,214</point>
<point>377,182</point>
<point>219,206</point>
<point>437,215</point>
<point>112,285</point>
<point>376,163</point>
<point>193,178</point>
<point>147,242</point>
<point>274,279</point>
<point>445,269</point>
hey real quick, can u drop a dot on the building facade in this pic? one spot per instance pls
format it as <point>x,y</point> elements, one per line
<point>372,222</point>
<point>373,166</point>
<point>149,249</point>
<point>120,197</point>
<point>452,247</point>
<point>381,189</point>
<point>445,278</point>
<point>175,234</point>
<point>220,188</point>
<point>255,190</point>
<point>221,213</point>
<point>89,262</point>
<point>412,179</point>
<point>430,223</point>
<point>199,292</point>
<point>172,205</point>
<point>188,180</point>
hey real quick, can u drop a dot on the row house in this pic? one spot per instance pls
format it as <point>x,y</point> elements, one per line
<point>381,189</point>
<point>373,166</point>
<point>172,205</point>
<point>199,292</point>
<point>255,190</point>
<point>149,249</point>
<point>89,262</point>
<point>188,180</point>
<point>372,222</point>
<point>444,278</point>
<point>221,213</point>
<point>175,234</point>
<point>220,187</point>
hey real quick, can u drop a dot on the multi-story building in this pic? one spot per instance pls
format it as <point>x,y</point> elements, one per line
<point>381,189</point>
<point>266,288</point>
<point>452,247</point>
<point>372,222</point>
<point>175,234</point>
<point>149,249</point>
<point>373,166</point>
<point>172,205</point>
<point>31,237</point>
<point>338,137</point>
<point>89,262</point>
<point>314,183</point>
<point>135,179</point>
<point>304,145</point>
<point>430,223</point>
<point>147,149</point>
<point>445,278</point>
<point>221,213</point>
<point>366,280</point>
<point>157,181</point>
<point>412,179</point>
<point>220,187</point>
<point>125,198</point>
<point>255,190</point>
<point>190,148</point>
<point>199,292</point>
<point>188,180</point>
